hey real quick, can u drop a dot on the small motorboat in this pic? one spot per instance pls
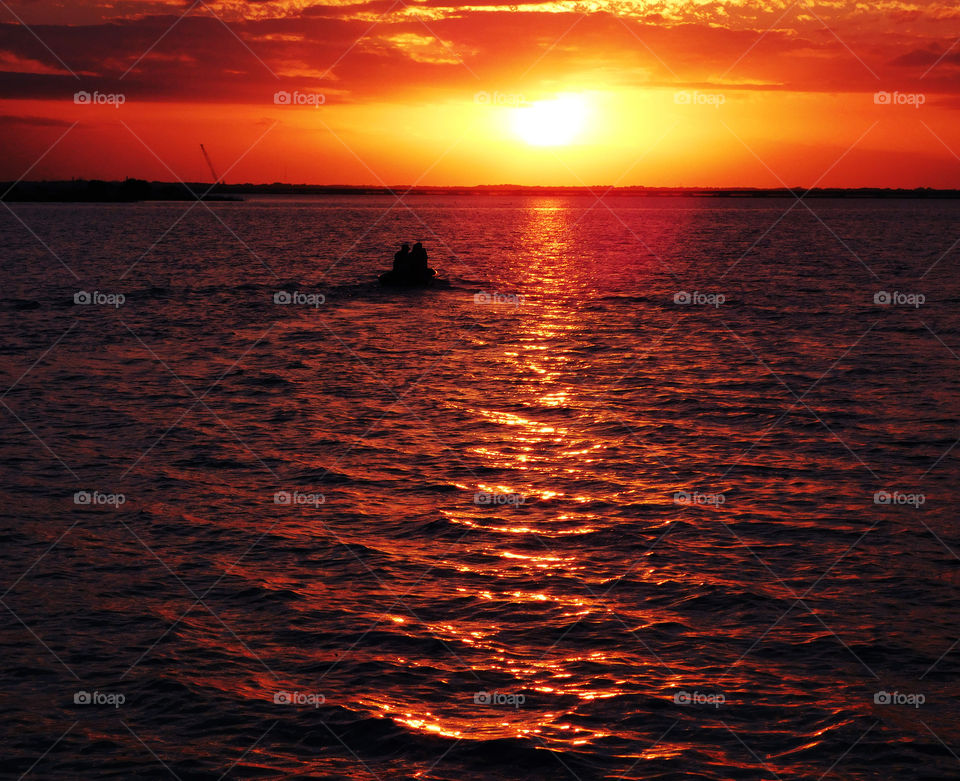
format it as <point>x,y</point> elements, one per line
<point>413,279</point>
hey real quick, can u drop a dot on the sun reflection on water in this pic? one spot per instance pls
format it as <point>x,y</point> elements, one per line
<point>538,456</point>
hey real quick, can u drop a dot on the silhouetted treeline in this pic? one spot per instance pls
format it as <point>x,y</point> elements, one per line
<point>96,191</point>
<point>130,190</point>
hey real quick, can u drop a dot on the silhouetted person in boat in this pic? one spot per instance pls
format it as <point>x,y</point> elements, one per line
<point>419,259</point>
<point>401,260</point>
<point>410,269</point>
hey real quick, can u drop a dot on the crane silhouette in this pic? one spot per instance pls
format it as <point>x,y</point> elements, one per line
<point>213,172</point>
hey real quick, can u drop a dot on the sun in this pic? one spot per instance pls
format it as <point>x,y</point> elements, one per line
<point>554,122</point>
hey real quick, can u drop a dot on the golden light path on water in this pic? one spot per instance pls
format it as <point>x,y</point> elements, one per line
<point>539,453</point>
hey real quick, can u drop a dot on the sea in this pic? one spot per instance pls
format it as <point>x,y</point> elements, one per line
<point>651,488</point>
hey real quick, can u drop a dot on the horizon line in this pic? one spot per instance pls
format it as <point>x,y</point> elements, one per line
<point>506,186</point>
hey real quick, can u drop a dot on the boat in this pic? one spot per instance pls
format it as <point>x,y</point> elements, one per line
<point>412,279</point>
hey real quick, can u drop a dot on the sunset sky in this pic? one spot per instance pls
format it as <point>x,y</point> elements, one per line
<point>439,92</point>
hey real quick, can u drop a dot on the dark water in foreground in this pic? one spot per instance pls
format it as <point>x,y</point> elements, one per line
<point>490,497</point>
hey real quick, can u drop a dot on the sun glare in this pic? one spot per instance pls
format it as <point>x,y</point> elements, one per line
<point>551,122</point>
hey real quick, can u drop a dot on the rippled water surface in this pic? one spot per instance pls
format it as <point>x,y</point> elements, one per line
<point>551,522</point>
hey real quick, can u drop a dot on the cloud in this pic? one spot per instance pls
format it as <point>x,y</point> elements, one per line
<point>10,121</point>
<point>364,51</point>
<point>925,58</point>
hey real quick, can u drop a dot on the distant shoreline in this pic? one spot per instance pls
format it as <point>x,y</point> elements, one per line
<point>136,190</point>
